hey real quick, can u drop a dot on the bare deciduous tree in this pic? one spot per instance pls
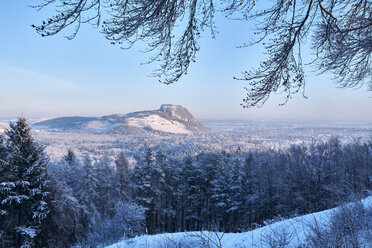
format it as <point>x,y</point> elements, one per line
<point>341,40</point>
<point>340,33</point>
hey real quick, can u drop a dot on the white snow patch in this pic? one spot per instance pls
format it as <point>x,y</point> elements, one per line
<point>96,125</point>
<point>297,228</point>
<point>2,128</point>
<point>158,123</point>
<point>101,125</point>
<point>30,232</point>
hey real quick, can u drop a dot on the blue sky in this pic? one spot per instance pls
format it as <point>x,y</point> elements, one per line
<point>49,77</point>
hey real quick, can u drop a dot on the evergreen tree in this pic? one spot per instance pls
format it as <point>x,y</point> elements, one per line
<point>124,177</point>
<point>144,192</point>
<point>23,194</point>
<point>235,195</point>
<point>2,179</point>
<point>249,196</point>
<point>64,226</point>
<point>2,150</point>
<point>71,171</point>
<point>219,199</point>
<point>194,177</point>
<point>3,158</point>
<point>159,187</point>
<point>70,157</point>
<point>181,185</point>
<point>88,188</point>
<point>106,191</point>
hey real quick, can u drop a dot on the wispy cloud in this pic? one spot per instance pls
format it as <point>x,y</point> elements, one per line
<point>34,93</point>
<point>15,77</point>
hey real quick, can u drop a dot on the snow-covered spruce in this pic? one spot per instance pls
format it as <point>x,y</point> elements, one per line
<point>23,192</point>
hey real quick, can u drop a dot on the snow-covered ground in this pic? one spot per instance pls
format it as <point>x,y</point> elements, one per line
<point>296,230</point>
<point>158,123</point>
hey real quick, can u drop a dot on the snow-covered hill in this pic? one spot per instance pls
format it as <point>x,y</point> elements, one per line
<point>296,230</point>
<point>168,119</point>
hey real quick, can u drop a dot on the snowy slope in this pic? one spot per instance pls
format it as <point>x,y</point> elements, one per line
<point>158,123</point>
<point>168,119</point>
<point>297,228</point>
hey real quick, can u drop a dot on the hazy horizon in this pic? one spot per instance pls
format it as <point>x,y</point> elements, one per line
<point>5,119</point>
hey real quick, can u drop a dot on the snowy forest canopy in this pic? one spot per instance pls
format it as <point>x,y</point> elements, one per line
<point>224,136</point>
<point>77,200</point>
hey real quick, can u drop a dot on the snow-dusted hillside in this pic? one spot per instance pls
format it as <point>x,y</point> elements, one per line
<point>158,123</point>
<point>295,229</point>
<point>168,119</point>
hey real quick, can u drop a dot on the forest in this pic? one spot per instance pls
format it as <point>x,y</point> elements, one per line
<point>89,203</point>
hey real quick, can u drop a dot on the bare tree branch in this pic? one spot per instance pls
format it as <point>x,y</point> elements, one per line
<point>341,31</point>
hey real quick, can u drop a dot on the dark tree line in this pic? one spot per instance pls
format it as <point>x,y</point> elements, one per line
<point>236,192</point>
<point>339,33</point>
